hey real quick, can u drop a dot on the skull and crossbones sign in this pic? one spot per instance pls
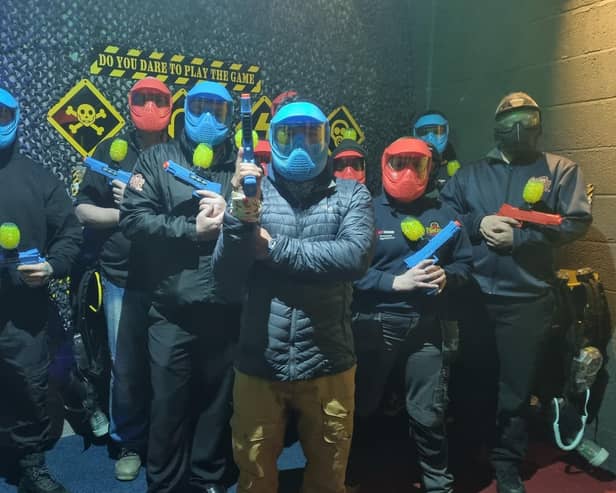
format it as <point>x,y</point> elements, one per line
<point>87,116</point>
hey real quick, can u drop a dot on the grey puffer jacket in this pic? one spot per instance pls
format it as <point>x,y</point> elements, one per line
<point>296,314</point>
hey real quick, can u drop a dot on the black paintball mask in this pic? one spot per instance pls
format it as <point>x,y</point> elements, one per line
<point>517,125</point>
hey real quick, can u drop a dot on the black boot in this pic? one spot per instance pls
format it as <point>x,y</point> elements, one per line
<point>509,452</point>
<point>508,480</point>
<point>35,477</point>
<point>432,453</point>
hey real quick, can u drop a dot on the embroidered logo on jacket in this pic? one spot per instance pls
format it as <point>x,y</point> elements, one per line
<point>433,229</point>
<point>136,182</point>
<point>547,183</point>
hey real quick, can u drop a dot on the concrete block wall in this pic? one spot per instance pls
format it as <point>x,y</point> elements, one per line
<point>563,53</point>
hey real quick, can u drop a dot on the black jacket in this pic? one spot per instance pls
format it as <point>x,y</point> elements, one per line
<point>374,292</point>
<point>296,313</point>
<point>38,203</point>
<point>481,188</point>
<point>112,247</point>
<point>160,212</point>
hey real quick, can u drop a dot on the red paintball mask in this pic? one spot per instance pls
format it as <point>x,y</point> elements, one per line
<point>406,166</point>
<point>263,154</point>
<point>283,97</point>
<point>150,105</point>
<point>350,165</point>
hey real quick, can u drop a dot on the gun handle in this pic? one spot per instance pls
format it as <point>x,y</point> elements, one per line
<point>433,292</point>
<point>249,185</point>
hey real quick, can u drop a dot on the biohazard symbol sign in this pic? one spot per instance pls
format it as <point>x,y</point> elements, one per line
<point>340,120</point>
<point>84,117</point>
<point>261,116</point>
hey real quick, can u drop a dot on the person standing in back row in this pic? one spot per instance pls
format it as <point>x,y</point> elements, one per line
<point>510,309</point>
<point>126,302</point>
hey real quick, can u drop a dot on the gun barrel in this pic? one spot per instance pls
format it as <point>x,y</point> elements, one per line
<point>529,216</point>
<point>27,257</point>
<point>191,178</point>
<point>249,184</point>
<point>107,171</point>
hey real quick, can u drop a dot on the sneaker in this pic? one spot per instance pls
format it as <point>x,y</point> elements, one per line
<point>99,424</point>
<point>594,454</point>
<point>128,465</point>
<point>36,478</point>
<point>508,481</point>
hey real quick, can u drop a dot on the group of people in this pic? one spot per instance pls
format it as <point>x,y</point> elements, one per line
<point>231,315</point>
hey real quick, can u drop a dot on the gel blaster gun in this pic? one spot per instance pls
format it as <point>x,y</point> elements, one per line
<point>13,258</point>
<point>107,171</point>
<point>191,178</point>
<point>249,184</point>
<point>529,216</point>
<point>429,250</point>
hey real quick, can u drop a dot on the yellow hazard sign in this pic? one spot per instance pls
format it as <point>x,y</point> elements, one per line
<point>173,68</point>
<point>340,123</point>
<point>84,117</point>
<point>261,116</point>
<point>176,124</point>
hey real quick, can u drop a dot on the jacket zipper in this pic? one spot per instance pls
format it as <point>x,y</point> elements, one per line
<point>292,344</point>
<point>509,169</point>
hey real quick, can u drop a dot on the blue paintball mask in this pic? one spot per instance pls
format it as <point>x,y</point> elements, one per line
<point>9,118</point>
<point>299,137</point>
<point>208,110</point>
<point>433,129</point>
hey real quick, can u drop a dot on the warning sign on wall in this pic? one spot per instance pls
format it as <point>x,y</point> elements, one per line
<point>340,121</point>
<point>84,117</point>
<point>261,115</point>
<point>174,68</point>
<point>176,124</point>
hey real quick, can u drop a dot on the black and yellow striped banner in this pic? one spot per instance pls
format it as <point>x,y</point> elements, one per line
<point>173,68</point>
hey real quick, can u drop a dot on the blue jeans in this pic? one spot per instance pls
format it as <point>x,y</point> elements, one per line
<point>127,324</point>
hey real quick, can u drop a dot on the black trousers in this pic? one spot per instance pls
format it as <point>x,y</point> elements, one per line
<point>24,362</point>
<point>191,355</point>
<point>132,390</point>
<point>501,340</point>
<point>418,344</point>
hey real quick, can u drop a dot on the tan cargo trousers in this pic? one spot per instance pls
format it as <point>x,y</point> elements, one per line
<point>324,408</point>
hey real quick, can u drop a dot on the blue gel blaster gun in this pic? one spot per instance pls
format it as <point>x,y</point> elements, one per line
<point>13,258</point>
<point>249,183</point>
<point>191,178</point>
<point>429,250</point>
<point>107,171</point>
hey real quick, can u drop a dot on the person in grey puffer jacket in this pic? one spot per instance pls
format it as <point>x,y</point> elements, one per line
<point>294,270</point>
